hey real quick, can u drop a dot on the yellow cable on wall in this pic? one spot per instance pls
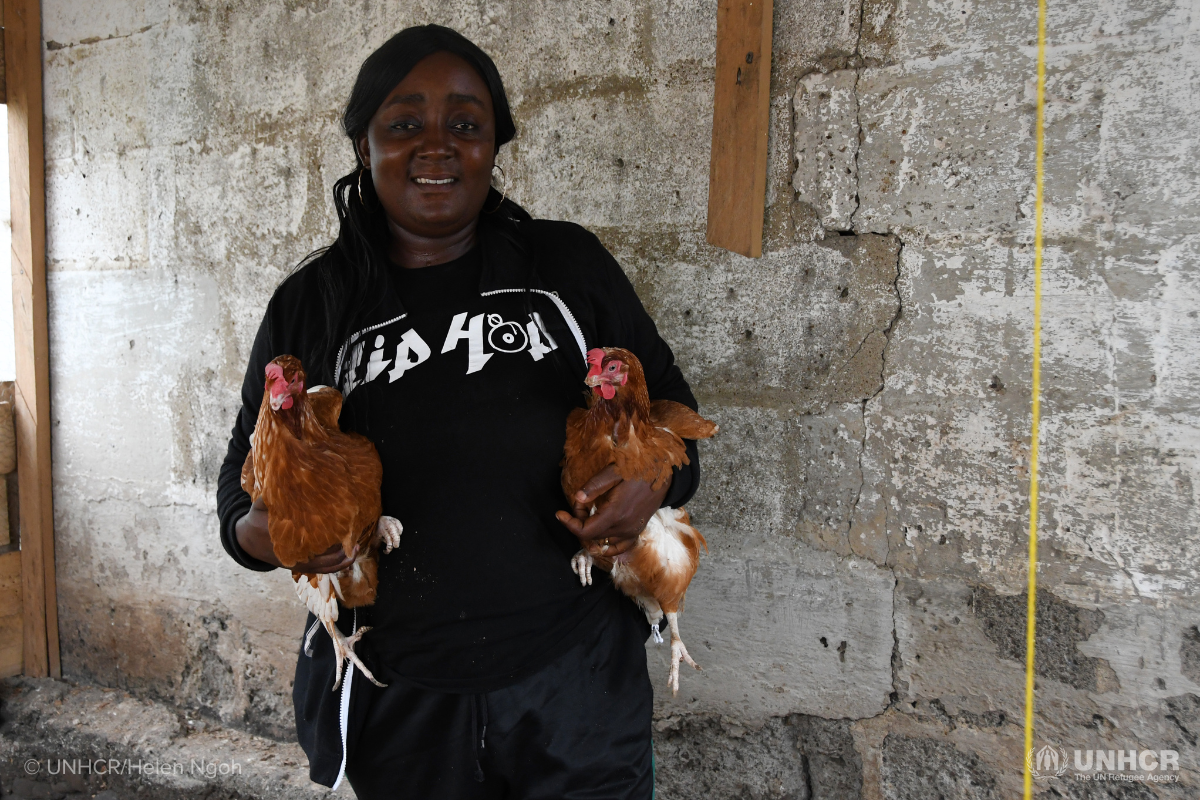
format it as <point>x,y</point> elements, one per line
<point>1035,390</point>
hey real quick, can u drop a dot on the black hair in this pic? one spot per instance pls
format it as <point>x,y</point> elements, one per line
<point>396,57</point>
<point>349,272</point>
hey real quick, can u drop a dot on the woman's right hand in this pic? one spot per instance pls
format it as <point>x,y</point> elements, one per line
<point>253,538</point>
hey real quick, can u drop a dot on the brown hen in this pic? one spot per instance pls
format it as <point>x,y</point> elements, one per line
<point>321,488</point>
<point>644,440</point>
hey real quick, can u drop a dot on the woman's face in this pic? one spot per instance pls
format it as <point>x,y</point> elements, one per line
<point>430,148</point>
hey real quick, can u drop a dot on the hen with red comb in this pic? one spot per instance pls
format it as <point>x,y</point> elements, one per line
<point>321,488</point>
<point>644,440</point>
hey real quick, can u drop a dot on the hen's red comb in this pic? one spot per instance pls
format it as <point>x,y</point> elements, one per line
<point>274,372</point>
<point>595,356</point>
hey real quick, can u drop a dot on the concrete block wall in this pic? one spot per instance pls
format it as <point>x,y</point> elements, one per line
<point>859,614</point>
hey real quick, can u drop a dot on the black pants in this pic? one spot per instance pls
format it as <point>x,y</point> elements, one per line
<point>577,730</point>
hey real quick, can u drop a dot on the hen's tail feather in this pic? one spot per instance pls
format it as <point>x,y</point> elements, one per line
<point>684,520</point>
<point>681,420</point>
<point>318,595</point>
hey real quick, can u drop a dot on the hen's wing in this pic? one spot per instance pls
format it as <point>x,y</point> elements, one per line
<point>681,420</point>
<point>312,500</point>
<point>588,449</point>
<point>365,473</point>
<point>326,403</point>
<point>647,453</point>
<point>248,476</point>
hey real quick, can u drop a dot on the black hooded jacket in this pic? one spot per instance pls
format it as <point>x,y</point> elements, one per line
<point>463,376</point>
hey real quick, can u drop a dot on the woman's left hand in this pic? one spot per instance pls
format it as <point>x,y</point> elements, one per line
<point>622,510</point>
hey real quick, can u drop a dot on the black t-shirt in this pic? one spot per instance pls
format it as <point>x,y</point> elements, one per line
<point>468,413</point>
<point>463,376</point>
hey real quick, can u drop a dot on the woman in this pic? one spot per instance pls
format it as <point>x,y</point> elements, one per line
<point>456,327</point>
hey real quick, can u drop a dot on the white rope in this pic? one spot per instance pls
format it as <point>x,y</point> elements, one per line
<point>347,679</point>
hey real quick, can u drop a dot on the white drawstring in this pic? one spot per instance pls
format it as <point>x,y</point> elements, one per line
<point>308,637</point>
<point>347,680</point>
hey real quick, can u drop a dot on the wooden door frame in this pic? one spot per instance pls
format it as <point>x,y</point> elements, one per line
<point>31,407</point>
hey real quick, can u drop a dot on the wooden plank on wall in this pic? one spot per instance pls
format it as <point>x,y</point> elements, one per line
<point>3,92</point>
<point>27,177</point>
<point>737,179</point>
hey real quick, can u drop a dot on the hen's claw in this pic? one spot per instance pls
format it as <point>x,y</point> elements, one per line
<point>343,649</point>
<point>581,564</point>
<point>678,652</point>
<point>388,529</point>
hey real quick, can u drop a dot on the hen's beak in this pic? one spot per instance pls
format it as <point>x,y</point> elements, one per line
<point>279,401</point>
<point>594,380</point>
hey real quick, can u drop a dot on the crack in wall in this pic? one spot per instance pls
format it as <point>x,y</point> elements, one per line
<point>52,45</point>
<point>862,475</point>
<point>887,332</point>
<point>896,662</point>
<point>858,68</point>
<point>887,335</point>
<point>806,771</point>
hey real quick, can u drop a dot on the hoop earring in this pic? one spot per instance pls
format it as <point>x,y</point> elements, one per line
<point>361,170</point>
<point>504,193</point>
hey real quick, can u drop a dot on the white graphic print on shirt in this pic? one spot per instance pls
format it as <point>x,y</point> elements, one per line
<point>410,344</point>
<point>408,350</point>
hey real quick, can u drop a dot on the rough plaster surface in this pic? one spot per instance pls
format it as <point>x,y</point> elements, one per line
<point>1189,654</point>
<point>812,633</point>
<point>1060,627</point>
<point>870,372</point>
<point>928,768</point>
<point>826,143</point>
<point>794,757</point>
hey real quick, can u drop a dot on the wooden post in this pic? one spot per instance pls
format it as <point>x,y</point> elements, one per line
<point>27,189</point>
<point>737,178</point>
<point>3,89</point>
<point>11,619</point>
